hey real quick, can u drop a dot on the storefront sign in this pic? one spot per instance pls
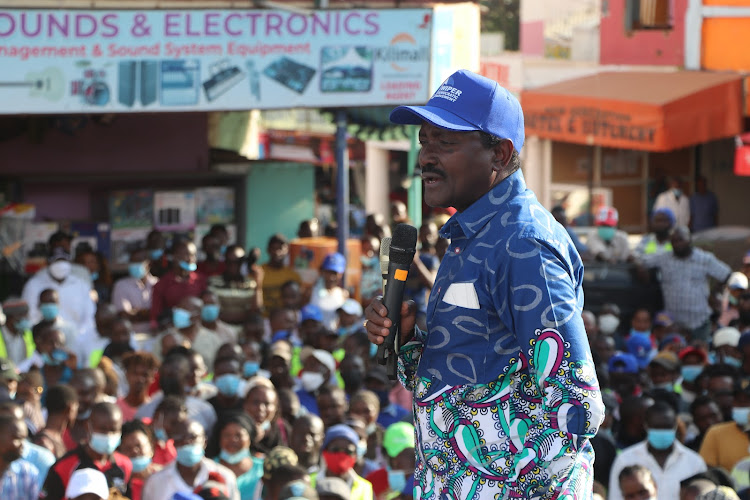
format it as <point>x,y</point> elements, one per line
<point>125,61</point>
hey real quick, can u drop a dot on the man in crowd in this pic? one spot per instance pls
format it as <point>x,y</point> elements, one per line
<point>188,331</point>
<point>49,307</point>
<point>675,200</point>
<point>277,271</point>
<point>727,443</point>
<point>180,282</point>
<point>16,340</point>
<point>657,241</point>
<point>236,292</point>
<point>213,264</point>
<point>704,207</point>
<point>609,244</point>
<point>306,440</point>
<point>131,295</point>
<point>19,480</point>
<point>637,483</point>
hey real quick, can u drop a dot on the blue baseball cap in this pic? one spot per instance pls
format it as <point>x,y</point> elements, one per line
<point>466,102</point>
<point>340,431</point>
<point>310,311</point>
<point>641,348</point>
<point>622,362</point>
<point>334,262</point>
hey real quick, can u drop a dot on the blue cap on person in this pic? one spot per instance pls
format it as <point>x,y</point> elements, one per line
<point>623,362</point>
<point>334,262</point>
<point>641,348</point>
<point>466,102</point>
<point>310,311</point>
<point>340,431</point>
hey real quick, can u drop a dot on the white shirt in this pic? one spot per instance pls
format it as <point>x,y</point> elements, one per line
<point>679,207</point>
<point>617,249</point>
<point>168,481</point>
<point>329,302</point>
<point>76,305</point>
<point>681,464</point>
<point>198,410</point>
<point>35,361</point>
<point>131,294</point>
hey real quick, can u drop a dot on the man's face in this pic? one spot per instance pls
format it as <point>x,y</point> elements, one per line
<point>261,404</point>
<point>705,416</point>
<point>291,296</point>
<point>105,423</point>
<point>233,261</point>
<point>12,442</point>
<point>331,279</point>
<point>87,392</point>
<point>188,432</point>
<point>456,169</point>
<point>139,377</point>
<point>307,437</point>
<point>278,251</point>
<point>660,375</point>
<point>661,224</point>
<point>641,321</point>
<point>332,408</point>
<point>365,412</point>
<point>637,487</point>
<point>681,245</point>
<point>49,340</point>
<point>721,390</point>
<point>185,253</point>
<point>212,247</point>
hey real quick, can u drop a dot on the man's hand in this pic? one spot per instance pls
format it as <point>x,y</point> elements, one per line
<point>377,324</point>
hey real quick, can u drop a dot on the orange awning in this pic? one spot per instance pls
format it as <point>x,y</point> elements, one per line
<point>650,111</point>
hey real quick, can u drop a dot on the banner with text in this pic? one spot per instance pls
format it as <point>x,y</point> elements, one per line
<point>129,61</point>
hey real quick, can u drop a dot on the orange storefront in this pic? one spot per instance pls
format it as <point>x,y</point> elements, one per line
<point>618,134</point>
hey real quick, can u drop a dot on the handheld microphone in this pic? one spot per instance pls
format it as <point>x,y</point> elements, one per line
<point>385,248</point>
<point>400,256</point>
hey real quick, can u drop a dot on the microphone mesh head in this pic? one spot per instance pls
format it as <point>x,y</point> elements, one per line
<point>385,249</point>
<point>404,242</point>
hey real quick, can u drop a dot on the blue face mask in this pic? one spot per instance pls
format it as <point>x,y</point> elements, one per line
<point>739,415</point>
<point>187,266</point>
<point>661,439</point>
<point>642,334</point>
<point>361,450</point>
<point>104,444</point>
<point>181,318</point>
<point>23,324</point>
<point>95,276</point>
<point>56,358</point>
<point>228,384</point>
<point>210,312</point>
<point>161,434</point>
<point>137,270</point>
<point>606,233</point>
<point>396,480</point>
<point>729,360</point>
<point>223,249</point>
<point>234,458</point>
<point>189,455</point>
<point>677,192</point>
<point>156,254</point>
<point>691,372</point>
<point>49,311</point>
<point>250,368</point>
<point>140,463</point>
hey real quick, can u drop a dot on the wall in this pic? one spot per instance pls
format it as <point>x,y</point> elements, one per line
<point>651,47</point>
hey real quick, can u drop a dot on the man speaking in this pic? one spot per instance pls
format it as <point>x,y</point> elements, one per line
<point>505,392</point>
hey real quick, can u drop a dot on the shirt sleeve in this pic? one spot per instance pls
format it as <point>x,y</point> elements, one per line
<point>718,269</point>
<point>543,305</point>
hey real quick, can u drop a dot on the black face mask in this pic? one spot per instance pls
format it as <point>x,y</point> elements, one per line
<point>353,380</point>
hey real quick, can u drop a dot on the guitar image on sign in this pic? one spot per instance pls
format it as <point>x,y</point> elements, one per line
<point>49,83</point>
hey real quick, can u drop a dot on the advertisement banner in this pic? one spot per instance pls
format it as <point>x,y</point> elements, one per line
<point>106,61</point>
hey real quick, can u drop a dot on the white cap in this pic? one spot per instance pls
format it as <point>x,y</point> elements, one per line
<point>324,357</point>
<point>354,308</point>
<point>727,335</point>
<point>737,281</point>
<point>87,481</point>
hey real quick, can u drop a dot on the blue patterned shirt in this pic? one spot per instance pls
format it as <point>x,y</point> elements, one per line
<point>505,391</point>
<point>20,482</point>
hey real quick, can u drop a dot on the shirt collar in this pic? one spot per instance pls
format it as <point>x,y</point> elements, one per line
<point>473,219</point>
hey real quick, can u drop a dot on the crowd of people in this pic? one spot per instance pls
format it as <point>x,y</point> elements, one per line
<point>228,378</point>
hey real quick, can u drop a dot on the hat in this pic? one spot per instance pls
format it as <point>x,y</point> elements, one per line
<point>641,348</point>
<point>667,360</point>
<point>623,362</point>
<point>668,212</point>
<point>466,102</point>
<point>298,490</point>
<point>663,318</point>
<point>311,311</point>
<point>340,431</point>
<point>334,262</point>
<point>333,486</point>
<point>353,307</point>
<point>14,306</point>
<point>607,216</point>
<point>737,281</point>
<point>694,350</point>
<point>672,338</point>
<point>378,373</point>
<point>727,335</point>
<point>282,349</point>
<point>281,335</point>
<point>8,370</point>
<point>278,457</point>
<point>720,493</point>
<point>215,488</point>
<point>58,254</point>
<point>324,357</point>
<point>85,481</point>
<point>397,438</point>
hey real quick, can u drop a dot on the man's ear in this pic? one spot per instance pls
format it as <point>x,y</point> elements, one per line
<point>503,153</point>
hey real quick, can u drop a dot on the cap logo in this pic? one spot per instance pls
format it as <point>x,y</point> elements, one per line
<point>447,92</point>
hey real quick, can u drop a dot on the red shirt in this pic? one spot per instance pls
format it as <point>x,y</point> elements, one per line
<point>117,472</point>
<point>208,269</point>
<point>170,290</point>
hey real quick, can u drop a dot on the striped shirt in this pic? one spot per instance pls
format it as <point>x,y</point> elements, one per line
<point>20,482</point>
<point>684,283</point>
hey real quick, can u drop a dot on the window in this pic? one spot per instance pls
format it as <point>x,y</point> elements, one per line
<point>647,14</point>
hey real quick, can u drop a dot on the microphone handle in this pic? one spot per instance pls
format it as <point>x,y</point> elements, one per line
<point>392,299</point>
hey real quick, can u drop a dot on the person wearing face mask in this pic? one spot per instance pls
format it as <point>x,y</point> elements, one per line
<point>637,483</point>
<point>51,357</point>
<point>191,468</point>
<point>609,244</point>
<point>75,303</point>
<point>49,307</point>
<point>365,406</point>
<point>137,446</point>
<point>16,339</point>
<point>229,384</point>
<point>339,456</point>
<point>233,435</point>
<point>657,241</point>
<point>317,368</point>
<point>675,200</point>
<point>306,440</point>
<point>639,342</point>
<point>737,284</point>
<point>668,460</point>
<point>726,350</point>
<point>131,295</point>
<point>705,414</point>
<point>181,281</point>
<point>664,371</point>
<point>167,415</point>
<point>210,313</point>
<point>187,330</point>
<point>727,443</point>
<point>684,275</point>
<point>262,405</point>
<point>213,264</point>
<point>96,452</point>
<point>398,448</point>
<point>609,319</point>
<point>693,360</point>
<point>19,480</point>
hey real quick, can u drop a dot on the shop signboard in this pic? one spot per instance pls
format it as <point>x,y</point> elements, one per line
<point>91,61</point>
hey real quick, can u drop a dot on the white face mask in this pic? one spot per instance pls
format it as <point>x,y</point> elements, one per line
<point>311,381</point>
<point>608,323</point>
<point>60,269</point>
